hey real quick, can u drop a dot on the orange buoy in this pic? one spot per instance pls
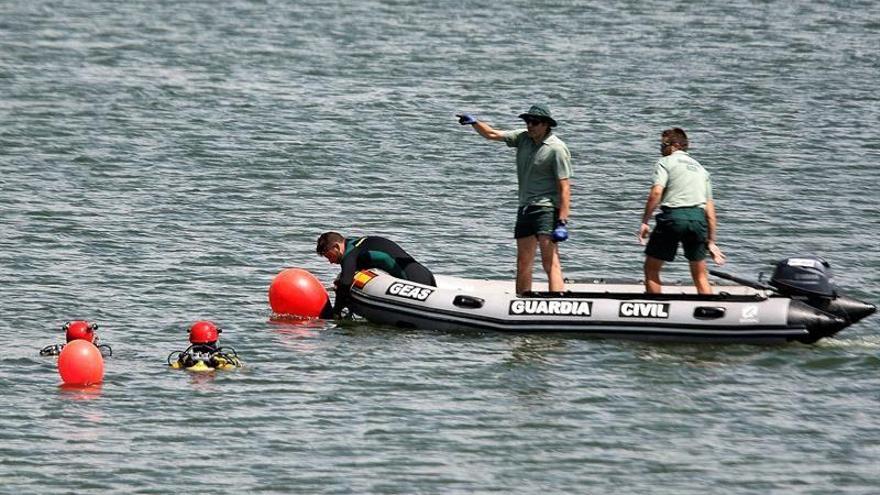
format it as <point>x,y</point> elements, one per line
<point>80,363</point>
<point>297,292</point>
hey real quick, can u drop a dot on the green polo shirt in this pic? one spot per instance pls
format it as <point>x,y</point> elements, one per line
<point>685,182</point>
<point>539,167</point>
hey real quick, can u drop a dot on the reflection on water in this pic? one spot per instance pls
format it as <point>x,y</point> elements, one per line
<point>526,349</point>
<point>298,335</point>
<point>80,392</point>
<point>683,355</point>
<point>203,381</point>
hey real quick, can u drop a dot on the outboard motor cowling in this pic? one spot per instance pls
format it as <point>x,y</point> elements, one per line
<point>808,276</point>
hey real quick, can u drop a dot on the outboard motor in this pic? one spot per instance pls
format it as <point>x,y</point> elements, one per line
<point>808,276</point>
<point>809,279</point>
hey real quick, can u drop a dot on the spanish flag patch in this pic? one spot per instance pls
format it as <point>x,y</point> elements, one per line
<point>362,277</point>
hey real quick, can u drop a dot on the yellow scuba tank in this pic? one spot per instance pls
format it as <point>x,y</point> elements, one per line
<point>203,362</point>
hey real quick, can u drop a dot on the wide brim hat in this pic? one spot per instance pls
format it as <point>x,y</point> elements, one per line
<point>540,112</point>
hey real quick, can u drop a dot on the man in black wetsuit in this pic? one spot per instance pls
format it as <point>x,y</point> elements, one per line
<point>367,252</point>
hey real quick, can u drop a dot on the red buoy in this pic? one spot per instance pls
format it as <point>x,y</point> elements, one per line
<point>297,292</point>
<point>80,363</point>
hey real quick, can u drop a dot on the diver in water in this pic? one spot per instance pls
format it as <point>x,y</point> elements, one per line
<point>78,330</point>
<point>204,353</point>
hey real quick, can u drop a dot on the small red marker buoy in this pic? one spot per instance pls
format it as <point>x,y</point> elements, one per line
<point>81,363</point>
<point>297,292</point>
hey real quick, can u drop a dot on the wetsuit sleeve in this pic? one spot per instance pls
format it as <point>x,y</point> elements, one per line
<point>343,296</point>
<point>351,263</point>
<point>349,267</point>
<point>343,286</point>
<point>327,310</point>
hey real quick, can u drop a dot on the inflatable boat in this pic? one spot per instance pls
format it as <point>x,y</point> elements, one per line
<point>800,303</point>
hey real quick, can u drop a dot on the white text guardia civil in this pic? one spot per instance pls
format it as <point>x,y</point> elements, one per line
<point>550,307</point>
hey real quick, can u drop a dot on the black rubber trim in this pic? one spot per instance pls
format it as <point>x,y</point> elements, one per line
<point>709,312</point>
<point>469,302</point>
<point>646,297</point>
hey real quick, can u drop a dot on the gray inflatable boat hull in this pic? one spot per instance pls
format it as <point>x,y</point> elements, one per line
<point>735,313</point>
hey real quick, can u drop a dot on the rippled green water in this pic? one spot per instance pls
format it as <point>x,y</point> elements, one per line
<point>160,162</point>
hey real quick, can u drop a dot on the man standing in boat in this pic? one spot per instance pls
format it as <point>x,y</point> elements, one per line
<point>367,252</point>
<point>683,190</point>
<point>543,170</point>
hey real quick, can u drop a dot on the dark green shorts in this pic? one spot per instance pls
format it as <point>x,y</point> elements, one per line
<point>534,220</point>
<point>679,225</point>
